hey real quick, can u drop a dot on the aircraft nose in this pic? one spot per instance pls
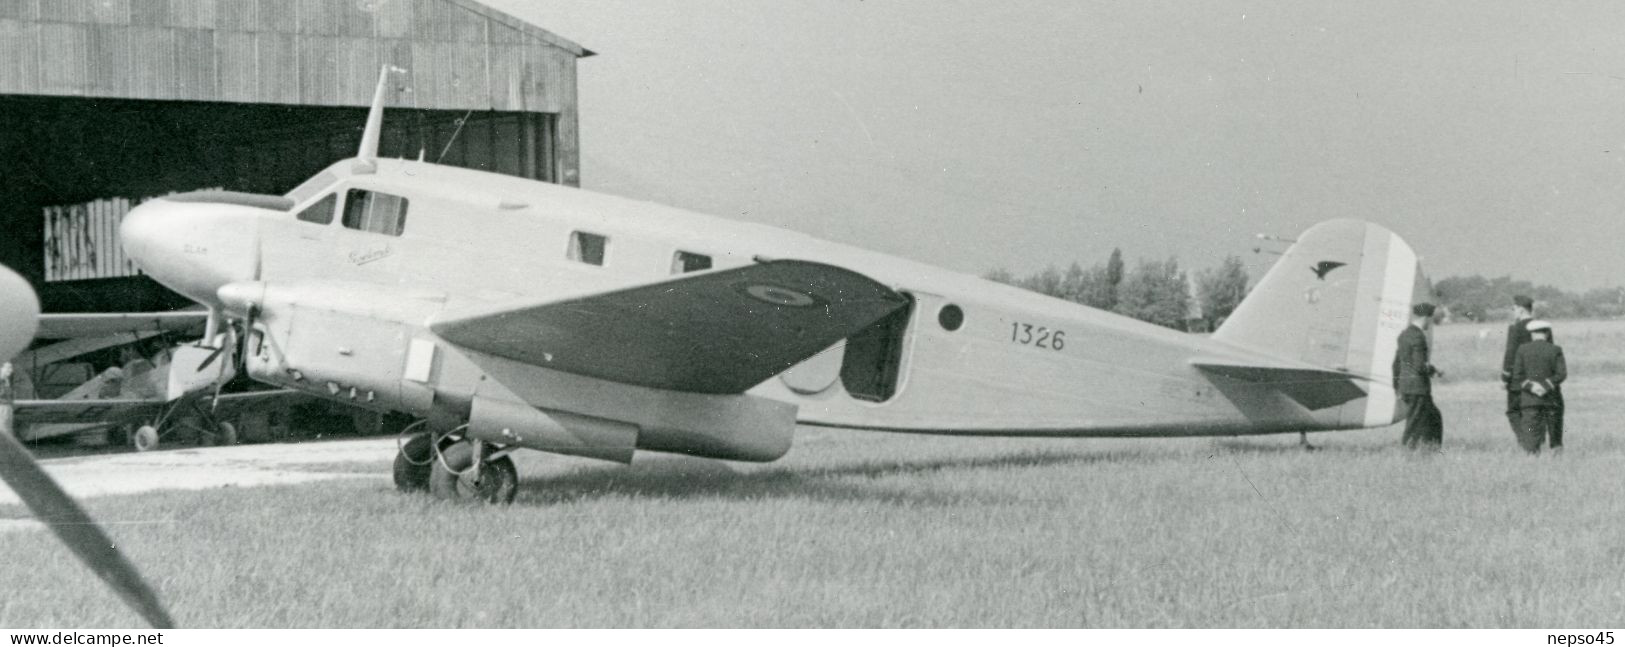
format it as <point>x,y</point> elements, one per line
<point>192,247</point>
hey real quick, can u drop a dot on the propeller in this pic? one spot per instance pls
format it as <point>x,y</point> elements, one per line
<point>19,315</point>
<point>78,530</point>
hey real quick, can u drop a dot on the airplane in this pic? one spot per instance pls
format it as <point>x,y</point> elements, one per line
<point>505,313</point>
<point>19,312</point>
<point>176,389</point>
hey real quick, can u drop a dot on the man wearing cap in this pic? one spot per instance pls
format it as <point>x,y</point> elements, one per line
<point>1523,311</point>
<point>1413,380</point>
<point>1539,370</point>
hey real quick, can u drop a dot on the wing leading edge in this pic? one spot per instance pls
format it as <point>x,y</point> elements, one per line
<point>716,332</point>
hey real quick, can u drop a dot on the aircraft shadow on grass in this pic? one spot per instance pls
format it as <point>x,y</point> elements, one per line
<point>694,478</point>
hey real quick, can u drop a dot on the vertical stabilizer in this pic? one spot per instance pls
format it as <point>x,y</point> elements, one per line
<point>1338,298</point>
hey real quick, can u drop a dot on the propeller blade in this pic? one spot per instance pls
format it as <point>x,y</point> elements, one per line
<point>210,359</point>
<point>76,529</point>
<point>19,313</point>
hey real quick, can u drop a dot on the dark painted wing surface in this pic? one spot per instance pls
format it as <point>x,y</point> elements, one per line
<point>716,332</point>
<point>1315,389</point>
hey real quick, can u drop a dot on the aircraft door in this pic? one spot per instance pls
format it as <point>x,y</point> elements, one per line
<point>873,364</point>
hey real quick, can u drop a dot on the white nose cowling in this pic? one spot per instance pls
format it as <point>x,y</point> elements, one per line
<point>19,314</point>
<point>194,247</point>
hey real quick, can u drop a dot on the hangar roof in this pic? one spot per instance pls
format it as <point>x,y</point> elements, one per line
<point>459,54</point>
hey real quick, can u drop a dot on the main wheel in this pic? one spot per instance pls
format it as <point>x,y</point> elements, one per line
<point>412,464</point>
<point>145,438</point>
<point>225,434</point>
<point>498,481</point>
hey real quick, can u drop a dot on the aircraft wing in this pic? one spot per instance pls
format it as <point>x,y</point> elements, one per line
<point>70,326</point>
<point>85,411</point>
<point>1314,388</point>
<point>123,410</point>
<point>714,332</point>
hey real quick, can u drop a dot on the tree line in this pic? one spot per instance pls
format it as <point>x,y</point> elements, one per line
<point>1155,291</point>
<point>1476,298</point>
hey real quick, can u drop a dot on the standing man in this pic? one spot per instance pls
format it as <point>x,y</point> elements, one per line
<point>1539,370</point>
<point>1523,311</point>
<point>1413,380</point>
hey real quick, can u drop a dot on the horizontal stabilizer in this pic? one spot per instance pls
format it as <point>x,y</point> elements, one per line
<point>714,332</point>
<point>1313,388</point>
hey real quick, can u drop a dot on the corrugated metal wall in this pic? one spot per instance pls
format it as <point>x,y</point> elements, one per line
<point>307,52</point>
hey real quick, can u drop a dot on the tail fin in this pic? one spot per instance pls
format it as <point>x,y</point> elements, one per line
<point>1338,299</point>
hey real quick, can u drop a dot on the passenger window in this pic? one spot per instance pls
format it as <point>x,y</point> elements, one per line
<point>587,248</point>
<point>380,213</point>
<point>685,262</point>
<point>320,213</point>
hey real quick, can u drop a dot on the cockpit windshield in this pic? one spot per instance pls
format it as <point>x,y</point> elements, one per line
<point>311,187</point>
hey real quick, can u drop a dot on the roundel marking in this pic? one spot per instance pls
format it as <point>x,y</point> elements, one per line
<point>779,295</point>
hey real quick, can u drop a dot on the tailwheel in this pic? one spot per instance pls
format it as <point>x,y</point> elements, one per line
<point>413,461</point>
<point>455,477</point>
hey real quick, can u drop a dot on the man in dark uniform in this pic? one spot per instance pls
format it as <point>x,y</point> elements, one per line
<point>1523,311</point>
<point>1413,381</point>
<point>1538,370</point>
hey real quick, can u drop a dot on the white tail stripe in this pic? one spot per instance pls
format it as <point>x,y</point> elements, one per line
<point>1398,284</point>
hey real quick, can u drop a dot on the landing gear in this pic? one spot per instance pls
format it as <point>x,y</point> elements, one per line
<point>1303,441</point>
<point>413,460</point>
<point>188,420</point>
<point>458,476</point>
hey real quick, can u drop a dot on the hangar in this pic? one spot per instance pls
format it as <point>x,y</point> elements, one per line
<point>106,102</point>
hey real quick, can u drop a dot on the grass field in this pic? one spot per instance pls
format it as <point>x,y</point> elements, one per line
<point>864,529</point>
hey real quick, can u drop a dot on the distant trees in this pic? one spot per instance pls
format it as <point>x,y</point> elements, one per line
<point>1476,298</point>
<point>1157,292</point>
<point>1154,291</point>
<point>1220,289</point>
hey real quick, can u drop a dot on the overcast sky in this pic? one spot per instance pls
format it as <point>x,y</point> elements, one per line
<point>970,135</point>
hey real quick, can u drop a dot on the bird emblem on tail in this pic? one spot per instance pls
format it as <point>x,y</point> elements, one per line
<point>1322,268</point>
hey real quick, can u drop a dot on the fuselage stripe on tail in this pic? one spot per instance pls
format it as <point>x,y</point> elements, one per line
<point>1398,283</point>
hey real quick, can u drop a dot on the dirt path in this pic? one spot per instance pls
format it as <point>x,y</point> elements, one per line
<point>204,468</point>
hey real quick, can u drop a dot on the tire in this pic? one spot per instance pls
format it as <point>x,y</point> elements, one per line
<point>498,482</point>
<point>410,477</point>
<point>145,438</point>
<point>225,434</point>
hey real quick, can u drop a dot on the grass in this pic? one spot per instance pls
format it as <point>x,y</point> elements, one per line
<point>865,529</point>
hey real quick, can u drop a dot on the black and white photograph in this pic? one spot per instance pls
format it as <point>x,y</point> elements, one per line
<point>811,314</point>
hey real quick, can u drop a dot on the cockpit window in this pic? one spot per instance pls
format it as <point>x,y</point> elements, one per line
<point>380,213</point>
<point>320,213</point>
<point>311,187</point>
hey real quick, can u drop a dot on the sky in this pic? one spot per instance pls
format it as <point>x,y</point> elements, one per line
<point>974,135</point>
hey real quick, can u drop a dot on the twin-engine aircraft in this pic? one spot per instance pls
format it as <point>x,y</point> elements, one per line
<point>507,313</point>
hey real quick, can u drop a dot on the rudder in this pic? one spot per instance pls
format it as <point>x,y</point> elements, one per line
<point>1338,298</point>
